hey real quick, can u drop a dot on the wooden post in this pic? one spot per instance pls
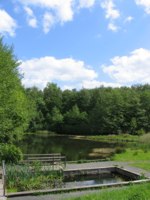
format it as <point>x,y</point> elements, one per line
<point>3,177</point>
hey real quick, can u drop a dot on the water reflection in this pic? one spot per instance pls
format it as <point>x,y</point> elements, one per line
<point>74,149</point>
<point>96,179</point>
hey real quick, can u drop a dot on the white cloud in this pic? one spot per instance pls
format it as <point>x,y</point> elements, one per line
<point>90,85</point>
<point>31,19</point>
<point>7,24</point>
<point>49,69</point>
<point>113,27</point>
<point>128,19</point>
<point>86,3</point>
<point>145,4</point>
<point>134,68</point>
<point>62,10</point>
<point>93,84</point>
<point>48,22</point>
<point>56,11</point>
<point>110,11</point>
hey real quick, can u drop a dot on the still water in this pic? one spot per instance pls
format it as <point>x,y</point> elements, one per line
<point>73,148</point>
<point>94,179</point>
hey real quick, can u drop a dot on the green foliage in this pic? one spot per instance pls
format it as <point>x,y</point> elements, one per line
<point>31,177</point>
<point>75,121</point>
<point>100,111</point>
<point>13,103</point>
<point>37,107</point>
<point>10,153</point>
<point>140,132</point>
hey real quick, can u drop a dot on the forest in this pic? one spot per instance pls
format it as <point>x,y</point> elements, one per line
<point>98,111</point>
<point>90,111</point>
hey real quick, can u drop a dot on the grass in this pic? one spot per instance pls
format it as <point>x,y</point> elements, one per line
<point>143,165</point>
<point>138,151</point>
<point>132,192</point>
<point>132,155</point>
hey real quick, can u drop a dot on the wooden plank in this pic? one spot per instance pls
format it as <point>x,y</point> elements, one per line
<point>34,158</point>
<point>45,159</point>
<point>52,154</point>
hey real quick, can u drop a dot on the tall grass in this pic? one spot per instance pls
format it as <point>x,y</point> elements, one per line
<point>31,177</point>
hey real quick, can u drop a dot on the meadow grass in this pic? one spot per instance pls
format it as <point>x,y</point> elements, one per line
<point>132,155</point>
<point>132,192</point>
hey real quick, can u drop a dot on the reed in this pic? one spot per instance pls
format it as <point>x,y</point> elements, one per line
<point>31,177</point>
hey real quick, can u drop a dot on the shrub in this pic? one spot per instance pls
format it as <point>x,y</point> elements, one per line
<point>140,132</point>
<point>119,150</point>
<point>10,153</point>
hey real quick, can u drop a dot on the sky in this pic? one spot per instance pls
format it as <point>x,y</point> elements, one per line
<point>79,43</point>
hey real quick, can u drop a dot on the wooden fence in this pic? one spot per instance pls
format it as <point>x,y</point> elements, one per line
<point>54,160</point>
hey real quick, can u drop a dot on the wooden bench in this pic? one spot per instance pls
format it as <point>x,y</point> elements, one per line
<point>55,159</point>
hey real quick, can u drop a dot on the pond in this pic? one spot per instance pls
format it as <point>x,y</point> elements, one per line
<point>72,147</point>
<point>95,179</point>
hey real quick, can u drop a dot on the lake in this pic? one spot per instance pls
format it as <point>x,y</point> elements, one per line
<point>70,146</point>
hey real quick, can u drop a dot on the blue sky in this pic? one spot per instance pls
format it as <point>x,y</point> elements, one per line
<point>79,43</point>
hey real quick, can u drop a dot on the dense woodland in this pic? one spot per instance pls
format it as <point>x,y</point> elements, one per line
<point>87,111</point>
<point>95,111</point>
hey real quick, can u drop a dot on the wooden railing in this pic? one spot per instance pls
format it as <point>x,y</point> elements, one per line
<point>3,177</point>
<point>55,159</point>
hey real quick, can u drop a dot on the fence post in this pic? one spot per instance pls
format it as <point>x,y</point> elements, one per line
<point>3,177</point>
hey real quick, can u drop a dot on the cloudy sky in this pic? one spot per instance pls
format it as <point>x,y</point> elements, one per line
<point>79,43</point>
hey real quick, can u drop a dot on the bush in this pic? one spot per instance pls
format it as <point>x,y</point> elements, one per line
<point>10,153</point>
<point>140,132</point>
<point>119,150</point>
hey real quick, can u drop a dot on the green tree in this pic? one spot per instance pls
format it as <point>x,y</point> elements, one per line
<point>56,120</point>
<point>13,102</point>
<point>52,99</point>
<point>69,99</point>
<point>75,121</point>
<point>37,107</point>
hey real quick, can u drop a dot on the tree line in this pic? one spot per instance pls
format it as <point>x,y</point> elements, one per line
<point>90,111</point>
